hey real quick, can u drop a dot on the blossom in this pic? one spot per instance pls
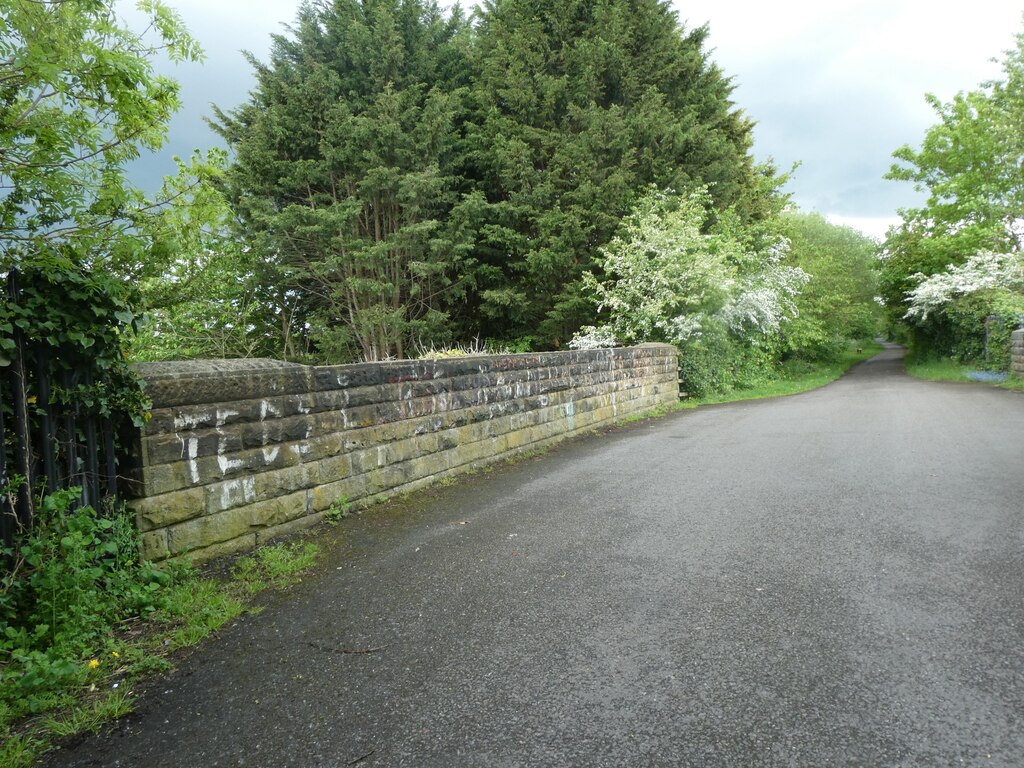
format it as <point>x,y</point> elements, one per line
<point>590,337</point>
<point>982,271</point>
<point>93,663</point>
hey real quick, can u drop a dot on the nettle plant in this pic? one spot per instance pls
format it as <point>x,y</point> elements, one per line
<point>667,279</point>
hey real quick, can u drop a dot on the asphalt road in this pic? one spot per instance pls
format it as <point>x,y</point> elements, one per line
<point>830,579</point>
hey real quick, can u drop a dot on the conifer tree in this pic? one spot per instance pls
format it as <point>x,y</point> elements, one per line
<point>342,174</point>
<point>579,105</point>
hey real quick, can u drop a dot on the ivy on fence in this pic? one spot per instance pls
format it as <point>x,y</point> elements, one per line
<point>66,391</point>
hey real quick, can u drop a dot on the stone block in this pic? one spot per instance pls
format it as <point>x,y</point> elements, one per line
<point>153,545</point>
<point>265,514</point>
<point>268,535</point>
<point>334,468</point>
<point>242,543</point>
<point>228,494</point>
<point>169,448</point>
<point>164,478</point>
<point>346,376</point>
<point>220,381</point>
<point>343,491</point>
<point>209,529</point>
<point>167,508</point>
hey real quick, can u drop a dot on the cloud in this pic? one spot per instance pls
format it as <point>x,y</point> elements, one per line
<point>839,86</point>
<point>835,86</point>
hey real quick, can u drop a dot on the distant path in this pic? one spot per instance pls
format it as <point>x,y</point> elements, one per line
<point>830,579</point>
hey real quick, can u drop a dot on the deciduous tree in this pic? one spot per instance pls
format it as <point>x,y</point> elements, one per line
<point>79,100</point>
<point>970,165</point>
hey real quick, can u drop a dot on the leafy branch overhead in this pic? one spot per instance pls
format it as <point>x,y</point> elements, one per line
<point>79,100</point>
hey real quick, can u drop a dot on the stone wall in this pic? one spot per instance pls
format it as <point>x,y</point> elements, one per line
<point>1017,352</point>
<point>238,452</point>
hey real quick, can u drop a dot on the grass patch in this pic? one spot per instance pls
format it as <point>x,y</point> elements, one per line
<point>935,369</point>
<point>794,377</point>
<point>947,369</point>
<point>79,686</point>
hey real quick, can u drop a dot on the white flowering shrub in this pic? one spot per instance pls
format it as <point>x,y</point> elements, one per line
<point>591,337</point>
<point>666,279</point>
<point>981,272</point>
<point>662,277</point>
<point>763,300</point>
<point>721,296</point>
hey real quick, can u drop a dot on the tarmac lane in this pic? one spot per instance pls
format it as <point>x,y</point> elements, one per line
<point>829,579</point>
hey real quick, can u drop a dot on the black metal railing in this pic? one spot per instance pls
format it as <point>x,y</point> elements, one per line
<point>49,438</point>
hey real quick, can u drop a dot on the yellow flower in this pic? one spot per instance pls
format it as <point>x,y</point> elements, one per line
<point>93,663</point>
<point>115,654</point>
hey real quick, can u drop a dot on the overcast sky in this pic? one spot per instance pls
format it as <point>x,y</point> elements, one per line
<point>835,85</point>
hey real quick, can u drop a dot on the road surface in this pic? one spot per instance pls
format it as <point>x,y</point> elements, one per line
<point>829,579</point>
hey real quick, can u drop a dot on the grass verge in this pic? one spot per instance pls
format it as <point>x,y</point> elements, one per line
<point>794,377</point>
<point>947,369</point>
<point>188,608</point>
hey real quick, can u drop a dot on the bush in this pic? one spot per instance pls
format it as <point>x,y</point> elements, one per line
<point>73,577</point>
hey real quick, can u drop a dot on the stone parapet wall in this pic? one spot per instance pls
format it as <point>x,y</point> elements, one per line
<point>1017,352</point>
<point>238,452</point>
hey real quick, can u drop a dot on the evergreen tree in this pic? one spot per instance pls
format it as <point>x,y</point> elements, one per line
<point>342,175</point>
<point>579,104</point>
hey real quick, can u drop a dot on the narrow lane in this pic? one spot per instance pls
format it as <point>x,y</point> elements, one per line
<point>830,579</point>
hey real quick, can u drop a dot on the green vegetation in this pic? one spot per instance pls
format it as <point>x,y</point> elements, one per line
<point>400,180</point>
<point>838,303</point>
<point>82,618</point>
<point>948,369</point>
<point>953,271</point>
<point>80,101</point>
<point>403,179</point>
<point>795,376</point>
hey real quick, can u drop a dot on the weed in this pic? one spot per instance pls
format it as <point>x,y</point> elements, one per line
<point>276,566</point>
<point>338,511</point>
<point>21,751</point>
<point>90,718</point>
<point>80,612</point>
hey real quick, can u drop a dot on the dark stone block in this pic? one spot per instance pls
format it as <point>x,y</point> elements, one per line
<point>409,370</point>
<point>220,381</point>
<point>346,376</point>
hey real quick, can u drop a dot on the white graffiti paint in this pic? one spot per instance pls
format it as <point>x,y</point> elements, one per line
<point>223,415</point>
<point>267,408</point>
<point>234,493</point>
<point>188,421</point>
<point>227,465</point>
<point>193,464</point>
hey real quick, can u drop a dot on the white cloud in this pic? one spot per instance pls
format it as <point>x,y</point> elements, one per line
<point>874,227</point>
<point>836,85</point>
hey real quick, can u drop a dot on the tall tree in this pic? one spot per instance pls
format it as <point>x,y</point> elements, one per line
<point>839,301</point>
<point>342,174</point>
<point>578,106</point>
